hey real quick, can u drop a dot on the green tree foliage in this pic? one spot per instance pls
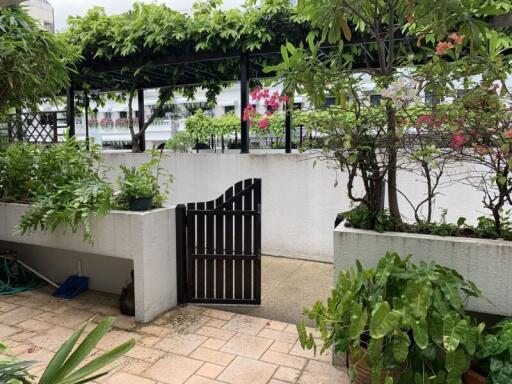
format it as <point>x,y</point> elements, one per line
<point>150,31</point>
<point>406,321</point>
<point>33,63</point>
<point>380,38</point>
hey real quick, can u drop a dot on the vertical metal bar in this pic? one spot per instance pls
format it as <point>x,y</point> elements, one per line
<point>257,241</point>
<point>191,249</point>
<point>70,112</point>
<point>140,101</point>
<point>19,124</point>
<point>86,115</point>
<point>181,252</point>
<point>288,129</point>
<point>244,101</point>
<point>300,133</point>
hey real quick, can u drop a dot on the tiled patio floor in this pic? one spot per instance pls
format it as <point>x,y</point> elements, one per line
<point>190,345</point>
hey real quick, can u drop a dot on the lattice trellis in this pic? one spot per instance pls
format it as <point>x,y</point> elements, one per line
<point>40,127</point>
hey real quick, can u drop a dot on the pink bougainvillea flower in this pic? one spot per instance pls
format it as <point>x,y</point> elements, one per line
<point>263,124</point>
<point>457,39</point>
<point>508,134</point>
<point>442,47</point>
<point>458,141</point>
<point>256,94</point>
<point>249,112</point>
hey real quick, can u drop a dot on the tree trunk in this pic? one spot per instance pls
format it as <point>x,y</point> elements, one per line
<point>394,209</point>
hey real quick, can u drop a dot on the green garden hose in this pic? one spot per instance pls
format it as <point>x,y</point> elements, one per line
<point>14,278</point>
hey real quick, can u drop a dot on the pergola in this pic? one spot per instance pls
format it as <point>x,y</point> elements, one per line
<point>111,76</point>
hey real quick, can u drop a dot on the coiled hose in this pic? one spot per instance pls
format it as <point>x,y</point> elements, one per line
<point>14,278</point>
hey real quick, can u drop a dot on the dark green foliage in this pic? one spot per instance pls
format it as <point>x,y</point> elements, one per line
<point>494,353</point>
<point>363,218</point>
<point>406,316</point>
<point>70,188</point>
<point>34,63</point>
<point>143,182</point>
<point>180,142</point>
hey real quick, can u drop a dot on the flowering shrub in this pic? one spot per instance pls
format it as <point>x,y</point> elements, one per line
<point>272,102</point>
<point>122,122</point>
<point>107,123</point>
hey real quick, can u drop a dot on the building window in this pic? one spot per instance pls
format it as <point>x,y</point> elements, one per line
<point>297,106</point>
<point>123,115</point>
<point>108,115</point>
<point>375,99</point>
<point>329,101</point>
<point>229,109</point>
<point>431,99</point>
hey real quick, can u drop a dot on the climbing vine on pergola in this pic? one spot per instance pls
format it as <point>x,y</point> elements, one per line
<point>153,46</point>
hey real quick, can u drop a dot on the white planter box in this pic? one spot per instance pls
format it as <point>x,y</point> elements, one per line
<point>147,238</point>
<point>488,263</point>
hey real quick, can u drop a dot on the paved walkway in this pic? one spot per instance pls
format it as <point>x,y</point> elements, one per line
<point>190,345</point>
<point>289,285</point>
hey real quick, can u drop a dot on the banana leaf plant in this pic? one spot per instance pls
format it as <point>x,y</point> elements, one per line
<point>405,321</point>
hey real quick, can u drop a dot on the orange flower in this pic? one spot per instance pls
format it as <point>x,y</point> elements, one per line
<point>456,38</point>
<point>442,46</point>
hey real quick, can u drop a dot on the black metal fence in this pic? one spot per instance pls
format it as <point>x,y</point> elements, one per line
<point>38,127</point>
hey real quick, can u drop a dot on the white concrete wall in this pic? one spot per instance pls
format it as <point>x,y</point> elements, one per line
<point>299,201</point>
<point>146,240</point>
<point>485,262</point>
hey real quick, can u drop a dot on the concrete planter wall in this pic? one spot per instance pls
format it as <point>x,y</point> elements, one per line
<point>144,240</point>
<point>488,263</point>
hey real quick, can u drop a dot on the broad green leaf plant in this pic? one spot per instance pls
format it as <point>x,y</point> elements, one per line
<point>406,321</point>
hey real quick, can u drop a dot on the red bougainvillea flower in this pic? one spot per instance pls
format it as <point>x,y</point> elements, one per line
<point>442,46</point>
<point>263,124</point>
<point>508,134</point>
<point>457,39</point>
<point>458,141</point>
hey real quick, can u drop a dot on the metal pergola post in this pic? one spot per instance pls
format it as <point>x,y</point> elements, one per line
<point>140,101</point>
<point>70,111</point>
<point>86,116</point>
<point>244,101</point>
<point>288,129</point>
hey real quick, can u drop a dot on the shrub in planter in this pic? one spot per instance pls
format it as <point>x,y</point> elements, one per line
<point>139,188</point>
<point>493,357</point>
<point>405,322</point>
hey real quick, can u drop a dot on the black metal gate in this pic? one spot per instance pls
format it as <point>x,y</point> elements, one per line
<point>219,247</point>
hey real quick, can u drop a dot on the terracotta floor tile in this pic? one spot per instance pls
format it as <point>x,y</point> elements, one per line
<point>210,370</point>
<point>180,344</point>
<point>279,336</point>
<point>201,380</point>
<point>289,375</point>
<point>145,354</point>
<point>212,356</point>
<point>222,315</point>
<point>18,315</point>
<point>173,369</point>
<point>126,378</point>
<point>247,371</point>
<point>246,324</point>
<point>284,359</point>
<point>115,338</point>
<point>280,346</point>
<point>6,331</point>
<point>247,345</point>
<point>317,372</point>
<point>216,332</point>
<point>213,343</point>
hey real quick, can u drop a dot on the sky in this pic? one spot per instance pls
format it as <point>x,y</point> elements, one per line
<point>65,8</point>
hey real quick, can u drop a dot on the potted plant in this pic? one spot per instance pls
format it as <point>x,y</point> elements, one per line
<point>139,187</point>
<point>493,362</point>
<point>399,322</point>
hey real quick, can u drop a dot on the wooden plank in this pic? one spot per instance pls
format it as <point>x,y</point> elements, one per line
<point>191,241</point>
<point>200,246</point>
<point>257,241</point>
<point>210,264</point>
<point>219,249</point>
<point>228,245</point>
<point>248,265</point>
<point>238,244</point>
